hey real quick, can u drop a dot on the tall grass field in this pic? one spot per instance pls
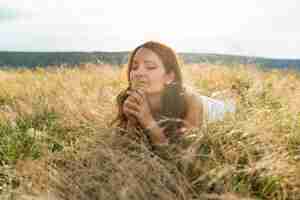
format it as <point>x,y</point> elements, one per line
<point>56,141</point>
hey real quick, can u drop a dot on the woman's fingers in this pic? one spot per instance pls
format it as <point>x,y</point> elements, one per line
<point>131,110</point>
<point>141,93</point>
<point>136,104</point>
<point>136,96</point>
<point>131,105</point>
<point>132,99</point>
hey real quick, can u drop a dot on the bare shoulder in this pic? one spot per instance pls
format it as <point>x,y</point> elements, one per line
<point>194,113</point>
<point>192,97</point>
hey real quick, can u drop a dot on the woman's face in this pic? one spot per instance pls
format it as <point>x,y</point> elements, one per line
<point>148,68</point>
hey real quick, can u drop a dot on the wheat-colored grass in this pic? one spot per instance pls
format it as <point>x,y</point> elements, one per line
<point>56,142</point>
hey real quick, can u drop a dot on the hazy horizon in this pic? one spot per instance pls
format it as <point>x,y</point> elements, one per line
<point>225,54</point>
<point>247,28</point>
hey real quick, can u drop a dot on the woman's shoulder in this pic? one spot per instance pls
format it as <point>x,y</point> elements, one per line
<point>192,96</point>
<point>194,107</point>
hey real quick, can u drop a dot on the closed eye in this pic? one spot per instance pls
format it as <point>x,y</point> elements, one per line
<point>134,68</point>
<point>151,67</point>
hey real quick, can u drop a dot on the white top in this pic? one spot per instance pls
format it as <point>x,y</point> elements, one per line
<point>215,110</point>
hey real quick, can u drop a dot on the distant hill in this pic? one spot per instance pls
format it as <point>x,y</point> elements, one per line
<point>34,59</point>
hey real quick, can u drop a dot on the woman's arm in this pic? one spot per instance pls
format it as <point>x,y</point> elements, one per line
<point>155,133</point>
<point>193,119</point>
<point>194,116</point>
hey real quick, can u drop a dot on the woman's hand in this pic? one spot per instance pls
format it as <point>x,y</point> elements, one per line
<point>136,105</point>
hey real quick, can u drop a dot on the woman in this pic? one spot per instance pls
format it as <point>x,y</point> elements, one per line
<point>159,106</point>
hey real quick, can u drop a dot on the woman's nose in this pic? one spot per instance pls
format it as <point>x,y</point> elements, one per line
<point>138,76</point>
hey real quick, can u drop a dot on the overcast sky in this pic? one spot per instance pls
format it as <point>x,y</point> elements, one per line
<point>244,27</point>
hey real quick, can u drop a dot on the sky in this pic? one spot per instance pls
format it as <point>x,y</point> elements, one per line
<point>262,28</point>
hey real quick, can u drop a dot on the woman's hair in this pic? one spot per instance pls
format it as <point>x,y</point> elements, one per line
<point>173,105</point>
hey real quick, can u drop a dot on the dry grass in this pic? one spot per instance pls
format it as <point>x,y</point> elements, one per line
<point>56,142</point>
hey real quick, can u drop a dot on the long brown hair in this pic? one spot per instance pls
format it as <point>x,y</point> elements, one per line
<point>173,104</point>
